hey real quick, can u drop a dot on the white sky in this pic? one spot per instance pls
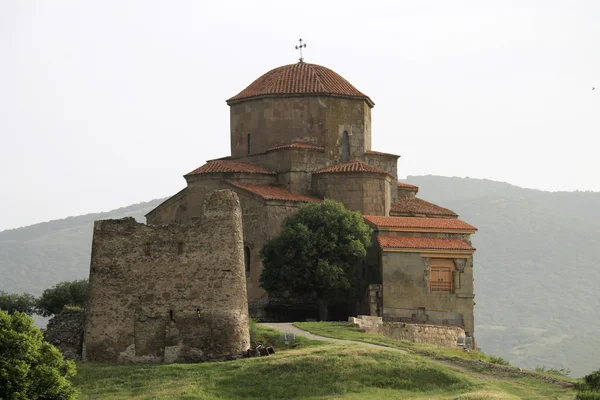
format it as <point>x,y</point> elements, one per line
<point>108,103</point>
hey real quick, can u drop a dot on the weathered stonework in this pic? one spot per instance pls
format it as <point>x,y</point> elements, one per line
<point>443,336</point>
<point>65,331</point>
<point>173,293</point>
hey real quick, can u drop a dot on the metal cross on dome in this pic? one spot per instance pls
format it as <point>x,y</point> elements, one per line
<point>299,47</point>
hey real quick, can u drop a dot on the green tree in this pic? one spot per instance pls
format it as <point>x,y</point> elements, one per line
<point>12,302</point>
<point>31,368</point>
<point>315,254</point>
<point>73,293</point>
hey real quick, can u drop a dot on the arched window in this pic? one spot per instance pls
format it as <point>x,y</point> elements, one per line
<point>247,259</point>
<point>345,147</point>
<point>249,143</point>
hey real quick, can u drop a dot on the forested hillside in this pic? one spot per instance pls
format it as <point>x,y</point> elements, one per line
<point>536,276</point>
<point>536,269</point>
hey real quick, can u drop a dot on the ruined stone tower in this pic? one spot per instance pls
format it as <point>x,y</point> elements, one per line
<point>172,293</point>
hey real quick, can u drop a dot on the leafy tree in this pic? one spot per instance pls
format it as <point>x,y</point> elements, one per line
<point>62,294</point>
<point>316,253</point>
<point>12,302</point>
<point>31,368</point>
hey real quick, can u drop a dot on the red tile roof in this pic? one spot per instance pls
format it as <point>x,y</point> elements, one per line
<point>268,192</point>
<point>219,166</point>
<point>407,186</point>
<point>418,206</point>
<point>379,153</point>
<point>355,166</point>
<point>419,223</point>
<point>298,146</point>
<point>300,79</point>
<point>425,243</point>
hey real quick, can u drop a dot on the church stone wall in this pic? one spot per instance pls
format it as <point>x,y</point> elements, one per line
<point>262,221</point>
<point>406,296</point>
<point>315,120</point>
<point>366,193</point>
<point>172,293</point>
<point>171,210</point>
<point>388,164</point>
<point>273,122</point>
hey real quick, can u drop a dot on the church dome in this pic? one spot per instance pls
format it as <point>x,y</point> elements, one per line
<point>300,79</point>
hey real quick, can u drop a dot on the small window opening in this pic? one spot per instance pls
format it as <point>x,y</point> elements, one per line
<point>147,249</point>
<point>249,143</point>
<point>345,147</point>
<point>247,260</point>
<point>171,315</point>
<point>180,248</point>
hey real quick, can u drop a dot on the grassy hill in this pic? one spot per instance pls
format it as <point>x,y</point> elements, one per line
<point>320,370</point>
<point>536,275</point>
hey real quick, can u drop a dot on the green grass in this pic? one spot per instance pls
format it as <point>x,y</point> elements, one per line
<point>322,371</point>
<point>310,370</point>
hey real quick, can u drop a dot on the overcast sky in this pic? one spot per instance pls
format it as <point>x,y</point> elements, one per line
<point>108,103</point>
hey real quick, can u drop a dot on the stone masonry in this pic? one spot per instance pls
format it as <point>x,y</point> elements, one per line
<point>173,293</point>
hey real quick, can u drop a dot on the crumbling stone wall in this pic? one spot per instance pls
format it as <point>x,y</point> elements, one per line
<point>444,336</point>
<point>173,293</point>
<point>65,331</point>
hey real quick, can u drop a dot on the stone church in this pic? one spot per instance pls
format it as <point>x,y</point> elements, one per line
<point>302,133</point>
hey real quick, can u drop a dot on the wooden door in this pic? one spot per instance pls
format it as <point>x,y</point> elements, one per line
<point>441,275</point>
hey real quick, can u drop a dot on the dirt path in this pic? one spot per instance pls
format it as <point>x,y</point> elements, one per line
<point>288,327</point>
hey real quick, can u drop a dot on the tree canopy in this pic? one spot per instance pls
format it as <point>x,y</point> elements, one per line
<point>316,252</point>
<point>53,300</point>
<point>31,368</point>
<point>13,302</point>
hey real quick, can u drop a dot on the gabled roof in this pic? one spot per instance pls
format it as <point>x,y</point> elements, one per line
<point>355,166</point>
<point>220,166</point>
<point>300,79</point>
<point>423,243</point>
<point>298,146</point>
<point>269,192</point>
<point>407,186</point>
<point>419,223</point>
<point>419,206</point>
<point>379,153</point>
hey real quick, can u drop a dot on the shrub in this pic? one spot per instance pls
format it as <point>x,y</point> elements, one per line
<point>593,380</point>
<point>498,360</point>
<point>31,368</point>
<point>588,395</point>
